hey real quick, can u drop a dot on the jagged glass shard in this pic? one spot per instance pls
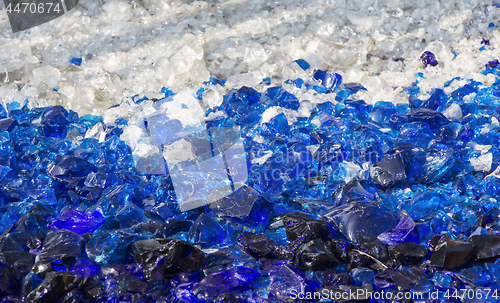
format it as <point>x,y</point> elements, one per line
<point>438,98</point>
<point>329,80</point>
<point>287,281</point>
<point>61,244</point>
<point>227,258</point>
<point>486,246</point>
<point>69,168</point>
<point>397,235</point>
<point>168,256</point>
<point>389,172</point>
<point>304,226</point>
<point>428,58</point>
<point>256,245</point>
<point>114,197</point>
<point>361,218</point>
<point>315,255</point>
<point>7,124</point>
<point>433,118</point>
<point>79,222</point>
<point>246,206</point>
<point>425,203</point>
<point>111,246</point>
<point>54,287</point>
<point>407,253</point>
<point>303,64</point>
<point>84,268</point>
<point>382,112</point>
<point>56,115</point>
<point>449,253</point>
<point>362,276</point>
<point>207,232</point>
<point>223,281</point>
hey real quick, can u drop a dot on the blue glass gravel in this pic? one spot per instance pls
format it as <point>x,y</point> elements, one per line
<point>382,197</point>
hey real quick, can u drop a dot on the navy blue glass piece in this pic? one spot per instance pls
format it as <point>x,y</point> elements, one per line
<point>361,218</point>
<point>7,124</point>
<point>69,168</point>
<point>60,245</point>
<point>428,58</point>
<point>79,222</point>
<point>246,206</point>
<point>56,115</point>
<point>168,257</point>
<point>433,118</point>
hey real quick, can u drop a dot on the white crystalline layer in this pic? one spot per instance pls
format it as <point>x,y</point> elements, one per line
<point>137,47</point>
<point>482,163</point>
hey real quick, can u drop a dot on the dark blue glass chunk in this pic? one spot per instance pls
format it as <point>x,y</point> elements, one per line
<point>361,218</point>
<point>111,246</point>
<point>168,257</point>
<point>486,246</point>
<point>493,63</point>
<point>428,58</point>
<point>304,226</point>
<point>55,286</point>
<point>389,172</point>
<point>55,115</point>
<point>433,118</point>
<point>223,281</point>
<point>79,222</point>
<point>246,206</point>
<point>256,245</point>
<point>315,255</point>
<point>62,244</point>
<point>69,168</point>
<point>407,253</point>
<point>7,124</point>
<point>449,253</point>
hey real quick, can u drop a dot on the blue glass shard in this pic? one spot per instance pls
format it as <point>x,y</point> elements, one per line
<point>329,80</point>
<point>433,118</point>
<point>61,244</point>
<point>79,222</point>
<point>207,232</point>
<point>246,206</point>
<point>287,281</point>
<point>55,115</point>
<point>266,81</point>
<point>361,218</point>
<point>76,61</point>
<point>389,172</point>
<point>3,112</point>
<point>493,63</point>
<point>438,98</point>
<point>303,64</point>
<point>111,246</point>
<point>224,281</point>
<point>428,58</point>
<point>69,168</point>
<point>115,197</point>
<point>399,233</point>
<point>84,268</point>
<point>7,124</point>
<point>167,92</point>
<point>215,81</point>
